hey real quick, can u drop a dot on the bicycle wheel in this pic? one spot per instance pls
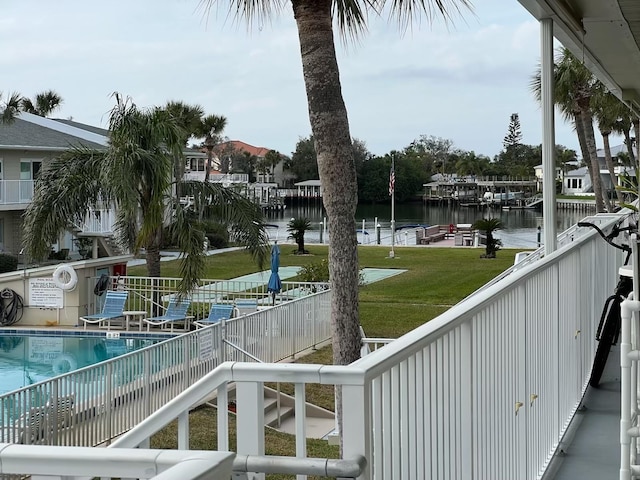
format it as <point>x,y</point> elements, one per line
<point>608,335</point>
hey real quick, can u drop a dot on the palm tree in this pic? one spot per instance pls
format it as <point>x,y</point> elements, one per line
<point>211,128</point>
<point>296,229</point>
<point>134,174</point>
<point>574,88</point>
<point>188,118</point>
<point>43,105</point>
<point>609,111</point>
<point>330,129</point>
<point>10,107</point>
<point>488,226</point>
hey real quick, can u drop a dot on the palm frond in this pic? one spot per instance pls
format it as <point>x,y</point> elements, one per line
<point>67,187</point>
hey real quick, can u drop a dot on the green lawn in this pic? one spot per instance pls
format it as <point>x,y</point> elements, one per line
<point>436,279</point>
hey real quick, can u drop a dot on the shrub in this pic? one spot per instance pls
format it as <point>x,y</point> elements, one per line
<point>217,234</point>
<point>217,241</point>
<point>315,272</point>
<point>8,263</point>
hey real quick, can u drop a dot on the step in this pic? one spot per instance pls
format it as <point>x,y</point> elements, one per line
<point>316,427</point>
<point>271,417</point>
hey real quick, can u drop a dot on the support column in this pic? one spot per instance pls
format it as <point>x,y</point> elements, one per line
<point>548,136</point>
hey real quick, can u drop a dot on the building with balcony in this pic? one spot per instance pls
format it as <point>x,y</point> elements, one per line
<point>26,145</point>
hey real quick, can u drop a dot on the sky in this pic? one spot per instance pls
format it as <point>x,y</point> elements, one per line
<point>459,82</point>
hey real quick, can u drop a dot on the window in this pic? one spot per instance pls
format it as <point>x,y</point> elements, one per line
<point>197,164</point>
<point>29,169</point>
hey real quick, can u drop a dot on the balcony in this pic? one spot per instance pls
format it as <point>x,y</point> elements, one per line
<point>487,390</point>
<point>15,194</point>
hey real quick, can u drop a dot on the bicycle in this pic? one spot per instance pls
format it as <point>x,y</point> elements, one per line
<point>608,331</point>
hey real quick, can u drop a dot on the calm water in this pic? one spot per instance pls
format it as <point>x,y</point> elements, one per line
<point>25,360</point>
<point>520,226</point>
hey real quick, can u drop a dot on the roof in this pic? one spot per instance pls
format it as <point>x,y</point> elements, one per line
<point>89,128</point>
<point>578,172</point>
<point>615,150</point>
<point>604,34</point>
<point>308,183</point>
<point>243,147</point>
<point>31,132</point>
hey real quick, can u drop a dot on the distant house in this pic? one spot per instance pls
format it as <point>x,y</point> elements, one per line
<point>26,145</point>
<point>578,181</point>
<point>279,175</point>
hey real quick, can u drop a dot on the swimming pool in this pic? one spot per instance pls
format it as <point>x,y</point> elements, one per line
<point>29,358</point>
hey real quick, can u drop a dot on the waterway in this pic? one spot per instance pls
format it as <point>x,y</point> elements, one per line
<point>520,226</point>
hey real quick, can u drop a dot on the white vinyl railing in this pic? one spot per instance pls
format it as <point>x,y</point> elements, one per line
<point>16,192</point>
<point>152,294</point>
<point>92,405</point>
<point>484,391</point>
<point>100,221</point>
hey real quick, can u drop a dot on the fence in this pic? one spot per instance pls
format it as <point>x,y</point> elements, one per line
<point>484,391</point>
<point>90,406</point>
<point>152,294</point>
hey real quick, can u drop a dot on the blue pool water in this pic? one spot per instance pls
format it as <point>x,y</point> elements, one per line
<point>27,359</point>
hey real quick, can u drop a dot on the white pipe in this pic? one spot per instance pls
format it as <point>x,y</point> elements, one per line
<point>627,308</point>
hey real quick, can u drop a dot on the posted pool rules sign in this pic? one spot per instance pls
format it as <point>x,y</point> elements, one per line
<point>43,293</point>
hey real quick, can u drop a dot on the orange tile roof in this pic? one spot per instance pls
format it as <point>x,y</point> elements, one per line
<point>243,147</point>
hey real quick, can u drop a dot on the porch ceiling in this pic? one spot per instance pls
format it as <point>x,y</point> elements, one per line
<point>605,33</point>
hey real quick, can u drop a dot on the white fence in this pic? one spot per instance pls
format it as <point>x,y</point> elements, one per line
<point>484,391</point>
<point>90,406</point>
<point>152,294</point>
<point>16,191</point>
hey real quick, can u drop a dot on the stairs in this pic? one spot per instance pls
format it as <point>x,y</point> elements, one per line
<point>279,414</point>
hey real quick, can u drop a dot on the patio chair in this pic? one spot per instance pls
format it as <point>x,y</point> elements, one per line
<point>244,306</point>
<point>176,313</point>
<point>39,424</point>
<point>113,308</point>
<point>217,313</point>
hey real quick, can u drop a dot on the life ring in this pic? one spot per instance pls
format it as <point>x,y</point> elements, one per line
<point>60,275</point>
<point>65,363</point>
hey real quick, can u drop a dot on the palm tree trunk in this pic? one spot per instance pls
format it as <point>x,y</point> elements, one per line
<point>336,167</point>
<point>590,137</point>
<point>629,143</point>
<point>636,131</point>
<point>584,147</point>
<point>610,166</point>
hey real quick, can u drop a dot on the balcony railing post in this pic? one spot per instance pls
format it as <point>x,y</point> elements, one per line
<point>250,419</point>
<point>356,424</point>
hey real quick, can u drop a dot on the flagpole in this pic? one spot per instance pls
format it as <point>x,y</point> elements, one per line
<point>392,188</point>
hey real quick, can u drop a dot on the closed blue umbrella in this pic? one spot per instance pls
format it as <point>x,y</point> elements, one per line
<point>275,285</point>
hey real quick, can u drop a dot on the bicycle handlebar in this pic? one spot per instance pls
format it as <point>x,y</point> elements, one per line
<point>615,231</point>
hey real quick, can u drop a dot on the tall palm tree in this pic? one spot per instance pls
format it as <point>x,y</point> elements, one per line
<point>10,107</point>
<point>134,173</point>
<point>574,86</point>
<point>609,111</point>
<point>330,129</point>
<point>43,104</point>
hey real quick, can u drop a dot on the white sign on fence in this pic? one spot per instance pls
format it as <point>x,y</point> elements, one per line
<point>44,293</point>
<point>206,345</point>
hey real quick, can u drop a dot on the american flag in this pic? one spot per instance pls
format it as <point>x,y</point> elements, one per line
<point>392,181</point>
